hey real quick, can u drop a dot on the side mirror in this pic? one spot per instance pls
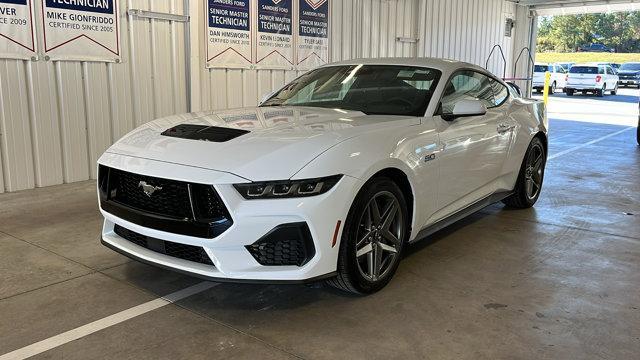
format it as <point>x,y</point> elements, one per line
<point>466,108</point>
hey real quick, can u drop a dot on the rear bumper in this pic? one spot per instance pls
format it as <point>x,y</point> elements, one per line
<point>584,87</point>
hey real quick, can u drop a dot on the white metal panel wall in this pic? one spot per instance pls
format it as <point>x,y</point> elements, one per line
<point>56,118</point>
<point>466,30</point>
<point>359,28</point>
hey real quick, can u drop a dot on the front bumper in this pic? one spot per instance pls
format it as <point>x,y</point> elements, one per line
<point>252,220</point>
<point>628,82</point>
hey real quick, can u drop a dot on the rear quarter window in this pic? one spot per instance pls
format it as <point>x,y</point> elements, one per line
<point>583,70</point>
<point>541,68</point>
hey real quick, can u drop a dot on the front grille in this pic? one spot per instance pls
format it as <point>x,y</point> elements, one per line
<point>180,251</point>
<point>288,244</point>
<point>163,204</point>
<point>171,197</point>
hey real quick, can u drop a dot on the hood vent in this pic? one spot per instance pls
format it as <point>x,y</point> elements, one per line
<point>204,132</point>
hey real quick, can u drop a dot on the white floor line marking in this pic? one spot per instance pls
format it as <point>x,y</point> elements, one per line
<point>588,143</point>
<point>82,331</point>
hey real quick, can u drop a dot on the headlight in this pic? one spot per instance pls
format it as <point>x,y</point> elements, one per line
<point>287,188</point>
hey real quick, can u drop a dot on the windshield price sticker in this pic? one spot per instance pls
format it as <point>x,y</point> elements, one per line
<point>17,39</point>
<point>81,30</point>
<point>229,39</point>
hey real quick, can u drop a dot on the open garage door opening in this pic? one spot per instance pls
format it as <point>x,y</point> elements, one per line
<point>591,49</point>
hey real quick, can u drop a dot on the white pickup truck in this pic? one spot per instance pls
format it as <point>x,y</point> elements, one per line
<point>558,77</point>
<point>592,78</point>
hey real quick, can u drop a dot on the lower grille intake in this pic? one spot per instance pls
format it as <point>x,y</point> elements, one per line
<point>180,251</point>
<point>288,244</point>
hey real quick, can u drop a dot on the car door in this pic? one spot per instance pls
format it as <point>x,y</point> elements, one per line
<point>473,149</point>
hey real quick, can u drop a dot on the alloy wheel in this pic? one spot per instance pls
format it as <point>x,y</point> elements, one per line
<point>534,171</point>
<point>380,232</point>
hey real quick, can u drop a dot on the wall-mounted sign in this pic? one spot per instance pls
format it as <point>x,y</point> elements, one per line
<point>275,34</point>
<point>313,33</point>
<point>17,38</point>
<point>81,30</point>
<point>229,41</point>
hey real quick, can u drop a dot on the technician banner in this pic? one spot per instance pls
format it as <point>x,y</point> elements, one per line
<point>229,40</point>
<point>313,33</point>
<point>275,36</point>
<point>17,39</point>
<point>81,30</point>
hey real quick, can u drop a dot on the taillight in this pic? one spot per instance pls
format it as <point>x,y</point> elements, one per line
<point>598,78</point>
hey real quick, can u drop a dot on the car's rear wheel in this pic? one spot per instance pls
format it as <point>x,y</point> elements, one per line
<point>600,92</point>
<point>529,183</point>
<point>552,88</point>
<point>373,238</point>
<point>615,90</point>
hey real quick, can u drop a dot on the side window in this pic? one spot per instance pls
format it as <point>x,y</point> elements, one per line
<point>500,92</point>
<point>467,85</point>
<point>601,70</point>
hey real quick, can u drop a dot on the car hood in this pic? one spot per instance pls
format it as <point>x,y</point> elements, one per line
<point>274,144</point>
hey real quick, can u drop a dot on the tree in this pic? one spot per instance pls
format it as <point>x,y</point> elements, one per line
<point>620,31</point>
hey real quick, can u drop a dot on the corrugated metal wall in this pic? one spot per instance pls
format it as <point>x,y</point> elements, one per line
<point>56,118</point>
<point>466,30</point>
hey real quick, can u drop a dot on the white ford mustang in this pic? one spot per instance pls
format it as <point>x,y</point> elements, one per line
<point>329,178</point>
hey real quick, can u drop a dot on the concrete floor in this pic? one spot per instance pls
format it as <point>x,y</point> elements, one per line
<point>558,281</point>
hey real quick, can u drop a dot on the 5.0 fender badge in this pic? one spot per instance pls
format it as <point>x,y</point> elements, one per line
<point>429,157</point>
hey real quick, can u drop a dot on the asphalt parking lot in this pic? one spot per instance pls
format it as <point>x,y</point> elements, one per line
<point>556,281</point>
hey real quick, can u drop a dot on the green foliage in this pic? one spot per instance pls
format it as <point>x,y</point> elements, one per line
<point>565,33</point>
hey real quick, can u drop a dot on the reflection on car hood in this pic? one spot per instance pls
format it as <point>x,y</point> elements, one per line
<point>279,142</point>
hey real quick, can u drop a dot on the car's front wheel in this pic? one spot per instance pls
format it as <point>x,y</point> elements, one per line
<point>373,238</point>
<point>529,183</point>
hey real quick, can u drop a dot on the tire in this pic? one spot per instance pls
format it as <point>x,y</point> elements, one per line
<point>570,92</point>
<point>530,174</point>
<point>355,274</point>
<point>615,90</point>
<point>552,88</point>
<point>600,92</point>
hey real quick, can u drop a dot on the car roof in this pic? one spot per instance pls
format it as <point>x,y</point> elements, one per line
<point>444,65</point>
<point>587,65</point>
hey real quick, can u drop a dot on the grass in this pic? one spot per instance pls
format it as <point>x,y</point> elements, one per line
<point>587,57</point>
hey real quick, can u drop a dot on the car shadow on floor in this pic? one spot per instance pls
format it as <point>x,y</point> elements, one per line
<point>261,297</point>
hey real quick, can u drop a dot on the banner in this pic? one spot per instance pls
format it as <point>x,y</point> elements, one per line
<point>275,34</point>
<point>313,33</point>
<point>81,30</point>
<point>17,39</point>
<point>229,41</point>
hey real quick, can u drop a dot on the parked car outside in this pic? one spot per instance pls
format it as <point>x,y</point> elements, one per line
<point>629,74</point>
<point>596,48</point>
<point>592,78</point>
<point>613,66</point>
<point>558,77</point>
<point>566,65</point>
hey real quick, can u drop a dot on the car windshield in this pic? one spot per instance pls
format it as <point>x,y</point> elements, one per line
<point>631,67</point>
<point>371,89</point>
<point>541,68</point>
<point>584,70</point>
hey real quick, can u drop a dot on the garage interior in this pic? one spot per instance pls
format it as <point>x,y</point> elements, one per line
<point>556,281</point>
